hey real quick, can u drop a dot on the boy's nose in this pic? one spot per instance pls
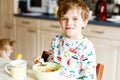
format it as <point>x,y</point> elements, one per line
<point>69,22</point>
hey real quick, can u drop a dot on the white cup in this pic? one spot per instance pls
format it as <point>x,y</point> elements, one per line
<point>17,69</point>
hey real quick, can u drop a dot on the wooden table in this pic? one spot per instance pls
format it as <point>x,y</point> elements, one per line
<point>30,76</point>
<point>5,76</point>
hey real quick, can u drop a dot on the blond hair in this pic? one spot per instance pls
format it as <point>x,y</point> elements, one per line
<point>65,5</point>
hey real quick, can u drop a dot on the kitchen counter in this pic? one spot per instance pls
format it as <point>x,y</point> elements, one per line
<point>51,17</point>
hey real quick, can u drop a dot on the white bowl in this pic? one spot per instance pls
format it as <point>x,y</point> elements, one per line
<point>50,75</point>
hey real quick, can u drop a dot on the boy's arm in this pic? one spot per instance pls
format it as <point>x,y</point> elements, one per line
<point>51,56</point>
<point>88,67</point>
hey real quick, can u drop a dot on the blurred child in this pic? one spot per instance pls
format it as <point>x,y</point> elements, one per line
<point>6,48</point>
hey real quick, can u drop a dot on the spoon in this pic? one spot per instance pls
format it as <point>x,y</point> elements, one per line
<point>41,61</point>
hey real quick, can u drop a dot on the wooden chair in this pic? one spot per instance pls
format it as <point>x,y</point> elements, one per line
<point>99,67</point>
<point>99,71</point>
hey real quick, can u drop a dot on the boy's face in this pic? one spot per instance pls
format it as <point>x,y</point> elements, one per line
<point>7,51</point>
<point>72,23</point>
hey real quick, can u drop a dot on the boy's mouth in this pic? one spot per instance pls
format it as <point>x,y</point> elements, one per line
<point>69,28</point>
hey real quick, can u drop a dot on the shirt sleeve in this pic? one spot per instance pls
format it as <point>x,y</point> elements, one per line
<point>51,50</point>
<point>88,63</point>
<point>54,48</point>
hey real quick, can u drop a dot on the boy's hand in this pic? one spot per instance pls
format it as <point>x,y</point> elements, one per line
<point>37,60</point>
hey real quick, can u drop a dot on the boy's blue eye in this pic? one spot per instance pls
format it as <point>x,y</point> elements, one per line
<point>75,19</point>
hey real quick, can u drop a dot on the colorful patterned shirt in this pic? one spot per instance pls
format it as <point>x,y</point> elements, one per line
<point>77,57</point>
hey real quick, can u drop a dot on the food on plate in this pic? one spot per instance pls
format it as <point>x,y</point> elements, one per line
<point>46,69</point>
<point>50,67</point>
<point>51,70</point>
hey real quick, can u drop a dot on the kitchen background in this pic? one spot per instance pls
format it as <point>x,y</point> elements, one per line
<point>48,5</point>
<point>34,31</point>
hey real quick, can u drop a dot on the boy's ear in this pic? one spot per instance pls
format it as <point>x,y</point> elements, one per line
<point>85,22</point>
